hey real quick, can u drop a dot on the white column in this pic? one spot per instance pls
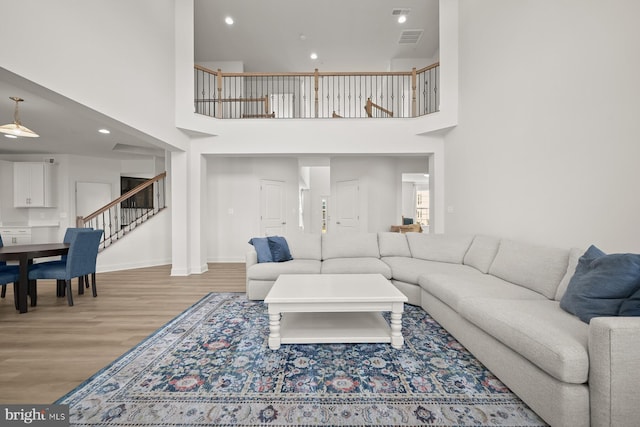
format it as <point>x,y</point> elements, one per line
<point>436,190</point>
<point>197,211</point>
<point>179,214</point>
<point>188,201</point>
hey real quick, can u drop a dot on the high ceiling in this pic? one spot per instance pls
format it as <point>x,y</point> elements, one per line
<point>279,35</point>
<point>268,35</point>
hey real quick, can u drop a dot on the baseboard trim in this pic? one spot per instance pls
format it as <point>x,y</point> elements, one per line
<point>131,266</point>
<point>221,260</point>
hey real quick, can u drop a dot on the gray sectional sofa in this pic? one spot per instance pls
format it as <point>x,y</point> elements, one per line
<point>500,299</point>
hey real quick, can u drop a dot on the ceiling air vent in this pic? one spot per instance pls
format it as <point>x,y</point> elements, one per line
<point>410,36</point>
<point>398,12</point>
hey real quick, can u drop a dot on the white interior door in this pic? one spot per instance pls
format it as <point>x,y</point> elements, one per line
<point>348,216</point>
<point>272,208</point>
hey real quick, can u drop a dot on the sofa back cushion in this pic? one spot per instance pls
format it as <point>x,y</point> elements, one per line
<point>482,252</point>
<point>439,247</point>
<point>574,257</point>
<point>305,246</point>
<point>393,244</point>
<point>538,268</point>
<point>357,245</point>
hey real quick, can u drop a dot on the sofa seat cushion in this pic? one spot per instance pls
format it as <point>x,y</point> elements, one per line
<point>355,266</point>
<point>271,270</point>
<point>453,289</point>
<point>410,269</point>
<point>539,330</point>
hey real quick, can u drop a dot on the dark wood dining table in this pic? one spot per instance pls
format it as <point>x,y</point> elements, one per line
<point>25,254</point>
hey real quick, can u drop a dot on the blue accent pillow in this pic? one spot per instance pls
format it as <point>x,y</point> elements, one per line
<point>261,245</point>
<point>279,249</point>
<point>631,306</point>
<point>604,285</point>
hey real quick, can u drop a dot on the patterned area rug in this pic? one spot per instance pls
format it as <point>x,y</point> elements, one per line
<point>212,366</point>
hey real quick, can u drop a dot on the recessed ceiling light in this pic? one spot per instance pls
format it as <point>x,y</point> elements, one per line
<point>105,131</point>
<point>228,20</point>
<point>313,55</point>
<point>11,136</point>
<point>402,19</point>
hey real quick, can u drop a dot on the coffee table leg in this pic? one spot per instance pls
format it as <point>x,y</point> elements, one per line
<point>274,331</point>
<point>396,330</point>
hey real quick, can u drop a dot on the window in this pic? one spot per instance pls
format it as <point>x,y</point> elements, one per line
<point>422,206</point>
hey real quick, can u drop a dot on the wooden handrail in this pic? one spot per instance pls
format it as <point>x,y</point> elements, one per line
<point>123,197</point>
<point>428,67</point>
<point>263,99</point>
<point>371,105</point>
<point>318,73</point>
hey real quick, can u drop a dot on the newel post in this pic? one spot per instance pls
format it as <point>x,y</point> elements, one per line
<point>219,87</point>
<point>316,79</point>
<point>413,92</point>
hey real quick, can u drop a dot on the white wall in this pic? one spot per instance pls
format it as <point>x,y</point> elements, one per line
<point>144,167</point>
<point>547,148</point>
<point>145,246</point>
<point>114,56</point>
<point>225,66</point>
<point>233,201</point>
<point>233,195</point>
<point>409,200</point>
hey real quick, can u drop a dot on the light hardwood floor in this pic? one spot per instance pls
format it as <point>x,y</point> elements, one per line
<point>53,348</point>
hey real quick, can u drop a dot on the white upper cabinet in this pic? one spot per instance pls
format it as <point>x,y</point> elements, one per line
<point>33,185</point>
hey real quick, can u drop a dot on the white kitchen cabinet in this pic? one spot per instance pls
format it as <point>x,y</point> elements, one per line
<point>33,185</point>
<point>15,236</point>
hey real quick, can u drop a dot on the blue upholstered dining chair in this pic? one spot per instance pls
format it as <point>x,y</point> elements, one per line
<point>9,274</point>
<point>68,235</point>
<point>80,261</point>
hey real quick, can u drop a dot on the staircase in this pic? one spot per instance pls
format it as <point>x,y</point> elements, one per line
<point>127,212</point>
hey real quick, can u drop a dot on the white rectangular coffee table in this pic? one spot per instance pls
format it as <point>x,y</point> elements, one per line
<point>334,308</point>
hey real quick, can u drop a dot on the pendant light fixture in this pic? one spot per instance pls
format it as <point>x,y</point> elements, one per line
<point>15,128</point>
